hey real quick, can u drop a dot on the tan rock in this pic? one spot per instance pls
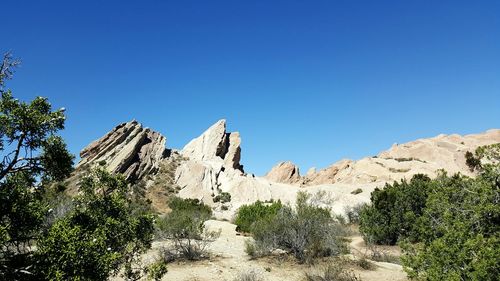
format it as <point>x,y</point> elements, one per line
<point>284,172</point>
<point>129,149</point>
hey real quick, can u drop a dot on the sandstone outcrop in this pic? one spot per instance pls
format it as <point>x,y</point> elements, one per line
<point>128,149</point>
<point>424,156</point>
<point>216,144</point>
<point>284,172</point>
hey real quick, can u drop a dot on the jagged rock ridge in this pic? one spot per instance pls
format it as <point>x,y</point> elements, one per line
<point>424,156</point>
<point>128,149</point>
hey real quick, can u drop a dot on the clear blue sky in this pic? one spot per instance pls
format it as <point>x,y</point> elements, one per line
<point>306,81</point>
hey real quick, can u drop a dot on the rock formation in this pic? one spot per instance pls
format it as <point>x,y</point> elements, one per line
<point>284,172</point>
<point>210,165</point>
<point>215,144</point>
<point>129,149</point>
<point>424,156</point>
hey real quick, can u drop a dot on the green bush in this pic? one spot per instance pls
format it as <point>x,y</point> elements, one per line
<point>157,270</point>
<point>248,214</point>
<point>306,231</point>
<point>98,236</point>
<point>224,197</point>
<point>459,231</point>
<point>184,226</point>
<point>394,210</point>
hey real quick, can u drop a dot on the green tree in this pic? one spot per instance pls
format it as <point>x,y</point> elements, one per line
<point>459,230</point>
<point>32,155</point>
<point>394,210</point>
<point>99,236</point>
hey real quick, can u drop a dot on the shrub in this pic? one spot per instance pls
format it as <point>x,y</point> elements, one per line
<point>307,232</point>
<point>333,272</point>
<point>365,264</point>
<point>248,214</point>
<point>357,191</point>
<point>353,213</point>
<point>184,226</point>
<point>394,210</point>
<point>223,197</point>
<point>156,270</point>
<point>249,275</point>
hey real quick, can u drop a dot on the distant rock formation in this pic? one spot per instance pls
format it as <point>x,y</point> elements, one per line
<point>128,149</point>
<point>284,172</point>
<point>424,156</point>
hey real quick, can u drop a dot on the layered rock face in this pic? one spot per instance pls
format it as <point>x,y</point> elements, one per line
<point>216,144</point>
<point>128,149</point>
<point>424,156</point>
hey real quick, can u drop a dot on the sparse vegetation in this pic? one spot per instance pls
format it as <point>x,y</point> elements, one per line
<point>184,226</point>
<point>354,213</point>
<point>357,191</point>
<point>249,275</point>
<point>335,271</point>
<point>306,232</point>
<point>394,170</point>
<point>223,197</point>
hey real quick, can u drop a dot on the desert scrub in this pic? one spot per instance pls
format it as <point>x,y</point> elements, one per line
<point>306,231</point>
<point>335,271</point>
<point>249,275</point>
<point>248,214</point>
<point>353,213</point>
<point>156,270</point>
<point>357,191</point>
<point>223,197</point>
<point>184,226</point>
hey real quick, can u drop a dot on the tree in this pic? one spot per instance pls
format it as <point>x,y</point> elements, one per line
<point>459,230</point>
<point>99,236</point>
<point>32,155</point>
<point>394,210</point>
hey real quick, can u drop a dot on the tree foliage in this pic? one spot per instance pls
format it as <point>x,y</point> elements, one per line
<point>98,236</point>
<point>248,214</point>
<point>31,151</point>
<point>459,230</point>
<point>394,210</point>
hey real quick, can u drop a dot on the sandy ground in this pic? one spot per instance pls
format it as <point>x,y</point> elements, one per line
<point>229,260</point>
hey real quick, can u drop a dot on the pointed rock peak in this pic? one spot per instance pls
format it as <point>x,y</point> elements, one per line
<point>284,172</point>
<point>216,144</point>
<point>129,149</point>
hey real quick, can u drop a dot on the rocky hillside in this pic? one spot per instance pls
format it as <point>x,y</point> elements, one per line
<point>208,168</point>
<point>424,156</point>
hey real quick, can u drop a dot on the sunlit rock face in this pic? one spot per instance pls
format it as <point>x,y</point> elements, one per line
<point>129,149</point>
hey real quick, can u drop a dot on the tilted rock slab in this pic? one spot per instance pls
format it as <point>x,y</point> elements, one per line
<point>128,149</point>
